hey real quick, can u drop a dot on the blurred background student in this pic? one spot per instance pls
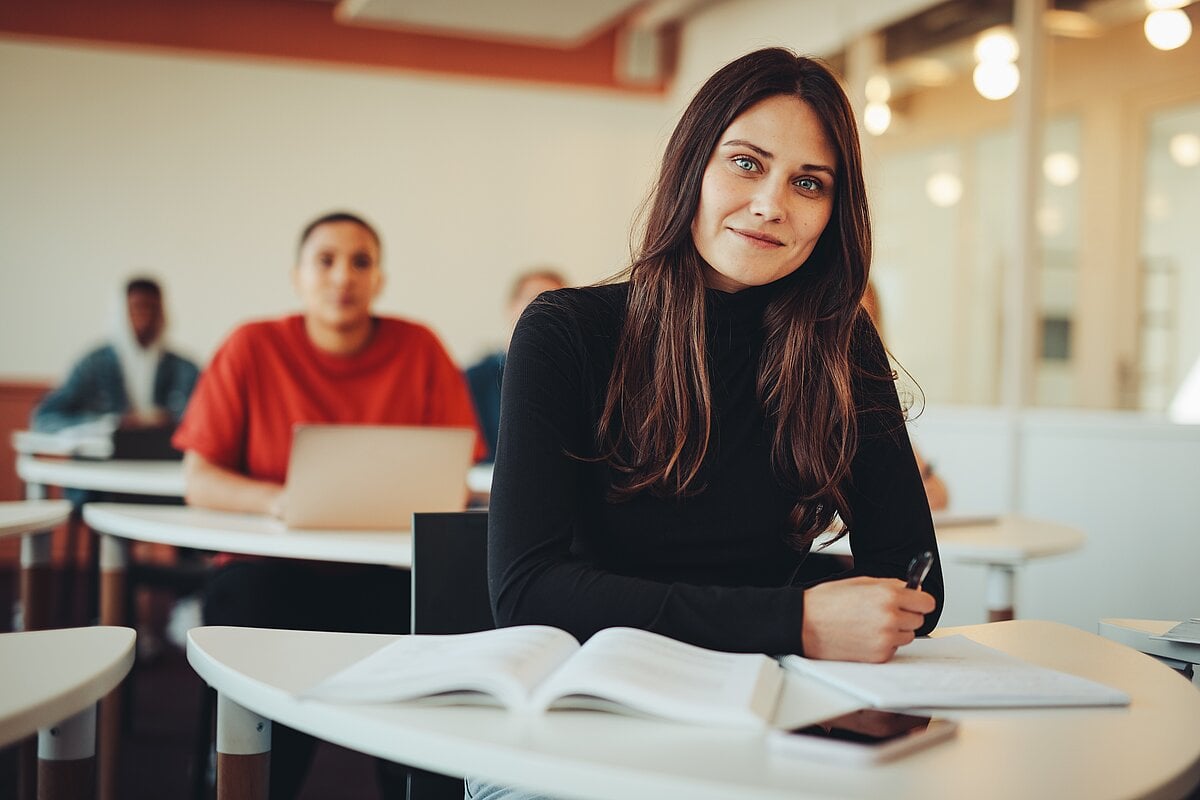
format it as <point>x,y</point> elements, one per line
<point>132,379</point>
<point>131,382</point>
<point>483,377</point>
<point>336,362</point>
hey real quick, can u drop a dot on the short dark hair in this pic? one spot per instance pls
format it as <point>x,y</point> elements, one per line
<point>338,216</point>
<point>141,284</point>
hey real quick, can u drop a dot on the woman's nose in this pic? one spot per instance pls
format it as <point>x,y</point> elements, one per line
<point>768,200</point>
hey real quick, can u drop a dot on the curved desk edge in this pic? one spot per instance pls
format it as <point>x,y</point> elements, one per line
<point>97,658</point>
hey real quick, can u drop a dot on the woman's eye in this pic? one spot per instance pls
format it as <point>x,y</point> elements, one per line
<point>745,163</point>
<point>362,261</point>
<point>809,184</point>
<point>325,259</point>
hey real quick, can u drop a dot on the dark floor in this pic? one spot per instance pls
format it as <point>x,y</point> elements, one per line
<point>156,749</point>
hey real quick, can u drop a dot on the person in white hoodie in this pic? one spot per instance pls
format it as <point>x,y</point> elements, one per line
<point>132,380</point>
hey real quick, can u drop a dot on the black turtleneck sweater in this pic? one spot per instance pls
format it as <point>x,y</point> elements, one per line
<point>715,568</point>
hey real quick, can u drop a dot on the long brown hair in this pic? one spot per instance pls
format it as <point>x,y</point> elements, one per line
<point>657,421</point>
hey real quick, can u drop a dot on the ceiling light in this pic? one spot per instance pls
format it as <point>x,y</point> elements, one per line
<point>996,45</point>
<point>1168,29</point>
<point>944,189</point>
<point>876,118</point>
<point>878,89</point>
<point>996,80</point>
<point>1161,5</point>
<point>1185,149</point>
<point>1061,168</point>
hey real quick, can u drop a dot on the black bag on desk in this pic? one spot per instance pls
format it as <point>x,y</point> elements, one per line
<point>145,444</point>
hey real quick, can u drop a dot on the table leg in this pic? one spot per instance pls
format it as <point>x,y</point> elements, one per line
<point>67,757</point>
<point>114,556</point>
<point>243,752</point>
<point>36,577</point>
<point>1001,592</point>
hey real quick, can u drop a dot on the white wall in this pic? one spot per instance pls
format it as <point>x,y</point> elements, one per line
<point>1130,482</point>
<point>202,170</point>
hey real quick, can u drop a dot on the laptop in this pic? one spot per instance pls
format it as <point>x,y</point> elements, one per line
<point>374,476</point>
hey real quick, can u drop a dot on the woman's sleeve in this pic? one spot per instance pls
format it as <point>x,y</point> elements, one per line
<point>890,519</point>
<point>535,574</point>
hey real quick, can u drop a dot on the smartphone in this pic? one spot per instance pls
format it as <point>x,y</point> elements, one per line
<point>863,737</point>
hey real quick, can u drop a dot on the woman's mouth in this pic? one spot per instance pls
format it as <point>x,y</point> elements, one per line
<point>756,238</point>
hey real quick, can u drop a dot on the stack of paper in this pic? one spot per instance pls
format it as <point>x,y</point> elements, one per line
<point>956,672</point>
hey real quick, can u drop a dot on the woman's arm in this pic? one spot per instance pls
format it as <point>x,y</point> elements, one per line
<point>208,485</point>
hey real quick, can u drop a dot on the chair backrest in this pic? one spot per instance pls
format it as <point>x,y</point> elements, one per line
<point>449,573</point>
<point>449,595</point>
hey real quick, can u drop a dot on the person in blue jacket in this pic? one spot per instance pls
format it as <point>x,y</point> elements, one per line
<point>484,376</point>
<point>133,379</point>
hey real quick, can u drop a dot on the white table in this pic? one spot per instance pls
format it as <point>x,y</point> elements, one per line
<point>154,478</point>
<point>33,520</point>
<point>1136,633</point>
<point>1149,749</point>
<point>51,683</point>
<point>203,529</point>
<point>150,478</point>
<point>1003,544</point>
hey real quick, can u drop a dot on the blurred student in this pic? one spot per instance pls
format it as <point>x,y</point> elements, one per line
<point>131,382</point>
<point>483,377</point>
<point>336,362</point>
<point>935,487</point>
<point>133,379</point>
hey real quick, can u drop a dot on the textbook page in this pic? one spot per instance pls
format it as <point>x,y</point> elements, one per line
<point>631,670</point>
<point>956,672</point>
<point>489,667</point>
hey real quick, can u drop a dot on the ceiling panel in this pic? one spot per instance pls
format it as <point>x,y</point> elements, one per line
<point>557,23</point>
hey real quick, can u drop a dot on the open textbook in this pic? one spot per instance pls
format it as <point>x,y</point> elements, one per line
<point>956,672</point>
<point>535,668</point>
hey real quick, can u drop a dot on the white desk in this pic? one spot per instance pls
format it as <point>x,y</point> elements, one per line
<point>1003,545</point>
<point>119,523</point>
<point>1136,633</point>
<point>155,478</point>
<point>1149,749</point>
<point>151,478</point>
<point>51,682</point>
<point>33,520</point>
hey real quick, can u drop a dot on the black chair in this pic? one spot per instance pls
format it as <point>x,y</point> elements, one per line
<point>449,595</point>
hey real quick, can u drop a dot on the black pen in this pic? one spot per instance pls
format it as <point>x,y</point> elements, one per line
<point>918,568</point>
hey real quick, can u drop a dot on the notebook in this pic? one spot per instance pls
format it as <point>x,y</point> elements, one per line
<point>374,476</point>
<point>956,672</point>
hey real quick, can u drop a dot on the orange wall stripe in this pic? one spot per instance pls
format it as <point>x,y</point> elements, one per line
<point>307,31</point>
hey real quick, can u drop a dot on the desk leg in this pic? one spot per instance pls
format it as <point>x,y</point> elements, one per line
<point>114,556</point>
<point>243,752</point>
<point>36,576</point>
<point>1001,592</point>
<point>67,757</point>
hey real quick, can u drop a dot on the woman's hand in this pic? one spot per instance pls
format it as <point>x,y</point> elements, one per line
<point>861,619</point>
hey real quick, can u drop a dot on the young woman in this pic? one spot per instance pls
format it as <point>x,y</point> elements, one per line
<point>672,445</point>
<point>335,362</point>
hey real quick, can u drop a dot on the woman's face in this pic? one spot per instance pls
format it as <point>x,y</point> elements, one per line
<point>766,196</point>
<point>338,275</point>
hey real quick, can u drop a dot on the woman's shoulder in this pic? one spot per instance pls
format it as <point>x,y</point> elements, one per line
<point>583,307</point>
